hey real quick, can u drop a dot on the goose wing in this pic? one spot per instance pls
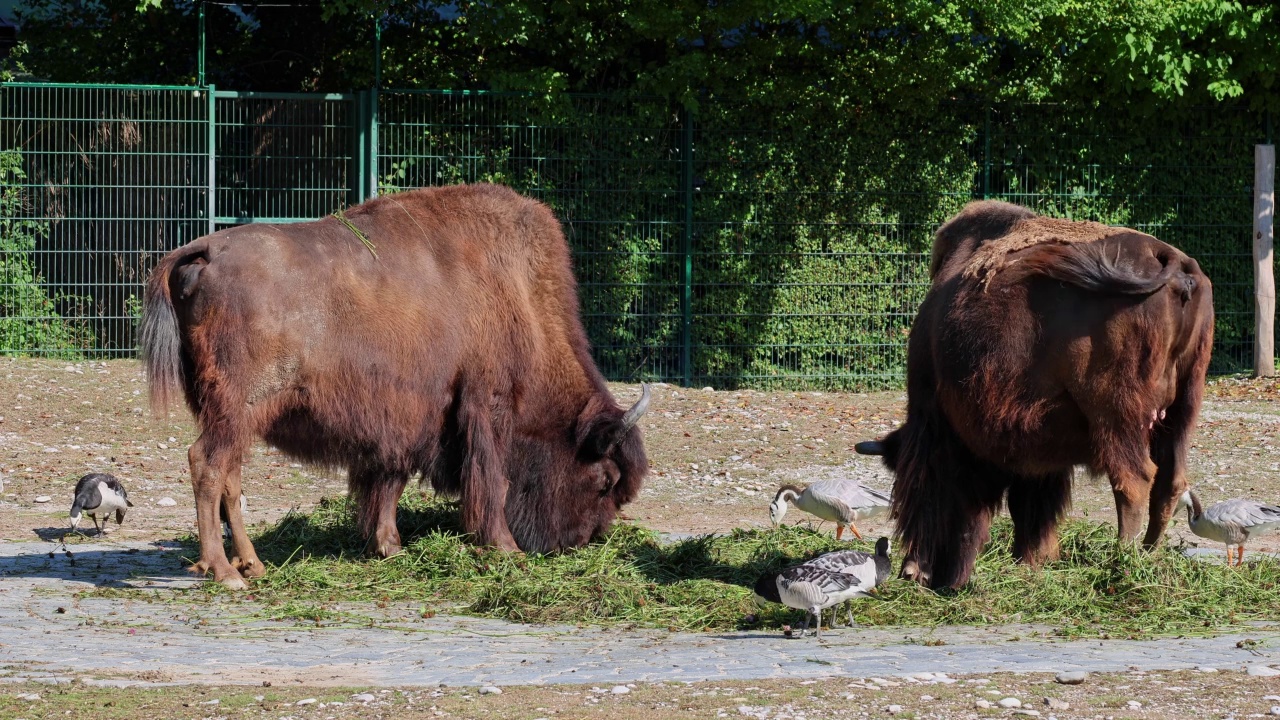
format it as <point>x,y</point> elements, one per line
<point>854,563</point>
<point>844,497</point>
<point>1245,514</point>
<point>841,561</point>
<point>805,587</point>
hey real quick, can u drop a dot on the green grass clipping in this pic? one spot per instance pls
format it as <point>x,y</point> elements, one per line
<point>1100,587</point>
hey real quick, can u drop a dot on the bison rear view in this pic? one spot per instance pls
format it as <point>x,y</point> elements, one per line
<point>1043,344</point>
<point>434,332</point>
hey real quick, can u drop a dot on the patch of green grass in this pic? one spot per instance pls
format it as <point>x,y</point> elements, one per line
<point>316,561</point>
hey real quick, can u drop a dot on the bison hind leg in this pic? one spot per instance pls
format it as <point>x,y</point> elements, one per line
<point>1037,505</point>
<point>377,490</point>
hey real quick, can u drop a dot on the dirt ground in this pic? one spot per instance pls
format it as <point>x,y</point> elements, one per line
<point>717,456</point>
<point>1105,696</point>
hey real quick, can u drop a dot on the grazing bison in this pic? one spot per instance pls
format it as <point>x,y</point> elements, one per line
<point>1043,344</point>
<point>433,332</point>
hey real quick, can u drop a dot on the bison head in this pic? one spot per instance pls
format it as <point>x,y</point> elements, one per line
<point>566,491</point>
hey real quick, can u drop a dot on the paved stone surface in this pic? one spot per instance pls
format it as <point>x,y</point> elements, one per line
<point>48,633</point>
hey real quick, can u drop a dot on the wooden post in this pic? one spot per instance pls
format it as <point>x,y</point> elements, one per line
<point>1264,282</point>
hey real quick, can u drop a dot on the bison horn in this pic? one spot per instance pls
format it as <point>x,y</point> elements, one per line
<point>869,447</point>
<point>632,416</point>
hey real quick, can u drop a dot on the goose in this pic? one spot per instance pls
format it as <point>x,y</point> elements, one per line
<point>842,501</point>
<point>825,582</point>
<point>98,495</point>
<point>1232,522</point>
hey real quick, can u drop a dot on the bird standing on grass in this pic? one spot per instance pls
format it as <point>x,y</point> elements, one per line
<point>98,495</point>
<point>1233,522</point>
<point>825,582</point>
<point>841,501</point>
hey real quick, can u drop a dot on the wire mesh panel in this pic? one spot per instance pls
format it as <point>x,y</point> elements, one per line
<point>98,183</point>
<point>740,250</point>
<point>283,157</point>
<point>610,171</point>
<point>1185,178</point>
<point>810,249</point>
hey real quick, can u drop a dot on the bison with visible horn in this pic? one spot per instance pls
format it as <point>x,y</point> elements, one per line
<point>432,332</point>
<point>1041,345</point>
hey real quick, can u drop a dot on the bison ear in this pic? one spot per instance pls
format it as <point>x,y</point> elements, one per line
<point>597,435</point>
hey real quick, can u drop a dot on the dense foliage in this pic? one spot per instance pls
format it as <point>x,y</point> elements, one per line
<point>803,150</point>
<point>29,319</point>
<point>898,52</point>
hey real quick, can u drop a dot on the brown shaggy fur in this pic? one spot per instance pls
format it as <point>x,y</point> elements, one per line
<point>457,354</point>
<point>1065,353</point>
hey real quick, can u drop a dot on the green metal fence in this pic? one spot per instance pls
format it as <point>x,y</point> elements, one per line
<point>730,250</point>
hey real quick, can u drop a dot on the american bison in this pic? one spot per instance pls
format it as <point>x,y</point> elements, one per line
<point>432,332</point>
<point>1043,344</point>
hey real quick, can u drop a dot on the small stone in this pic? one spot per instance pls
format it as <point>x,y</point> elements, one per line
<point>893,709</point>
<point>259,698</point>
<point>1275,709</point>
<point>982,704</point>
<point>43,498</point>
<point>490,690</point>
<point>214,701</point>
<point>307,701</point>
<point>1133,704</point>
<point>1029,713</point>
<point>1262,671</point>
<point>926,698</point>
<point>363,697</point>
<point>30,697</point>
<point>1056,704</point>
<point>1271,697</point>
<point>708,389</point>
<point>1010,702</point>
<point>620,690</point>
<point>166,502</point>
<point>1072,677</point>
<point>1206,669</point>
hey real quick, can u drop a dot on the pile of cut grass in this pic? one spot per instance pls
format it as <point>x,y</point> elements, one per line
<point>315,562</point>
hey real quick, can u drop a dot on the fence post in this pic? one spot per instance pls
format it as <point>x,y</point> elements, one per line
<point>686,249</point>
<point>357,178</point>
<point>1264,283</point>
<point>371,162</point>
<point>212,200</point>
<point>986,154</point>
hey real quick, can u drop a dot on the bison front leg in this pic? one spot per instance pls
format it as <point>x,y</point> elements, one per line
<point>211,465</point>
<point>484,479</point>
<point>244,558</point>
<point>377,492</point>
<point>1131,487</point>
<point>1036,506</point>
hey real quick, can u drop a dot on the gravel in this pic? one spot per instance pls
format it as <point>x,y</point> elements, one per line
<point>1073,677</point>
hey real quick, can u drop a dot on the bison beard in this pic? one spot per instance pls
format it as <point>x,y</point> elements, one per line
<point>456,352</point>
<point>1043,345</point>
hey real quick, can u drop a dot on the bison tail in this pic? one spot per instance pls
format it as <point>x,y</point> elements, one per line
<point>1111,265</point>
<point>160,337</point>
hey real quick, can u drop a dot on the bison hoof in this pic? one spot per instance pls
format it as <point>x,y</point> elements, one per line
<point>911,571</point>
<point>388,550</point>
<point>234,582</point>
<point>251,568</point>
